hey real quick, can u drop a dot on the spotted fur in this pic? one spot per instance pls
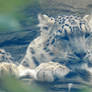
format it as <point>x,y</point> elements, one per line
<point>64,39</point>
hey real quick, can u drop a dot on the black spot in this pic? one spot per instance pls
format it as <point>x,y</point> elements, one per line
<point>46,49</point>
<point>87,35</point>
<point>51,53</point>
<point>25,64</point>
<point>32,50</point>
<point>53,41</point>
<point>46,28</point>
<point>60,31</point>
<point>35,61</point>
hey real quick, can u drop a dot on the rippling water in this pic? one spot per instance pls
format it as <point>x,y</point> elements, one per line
<point>17,41</point>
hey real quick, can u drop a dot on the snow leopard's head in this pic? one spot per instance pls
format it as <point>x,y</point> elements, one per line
<point>68,38</point>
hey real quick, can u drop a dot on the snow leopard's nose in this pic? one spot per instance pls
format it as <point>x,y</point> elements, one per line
<point>80,54</point>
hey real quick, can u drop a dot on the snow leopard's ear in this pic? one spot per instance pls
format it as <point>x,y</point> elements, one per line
<point>88,18</point>
<point>44,20</point>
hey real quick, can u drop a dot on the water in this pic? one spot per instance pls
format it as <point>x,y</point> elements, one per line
<point>16,42</point>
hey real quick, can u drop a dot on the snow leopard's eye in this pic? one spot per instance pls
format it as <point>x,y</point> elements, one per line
<point>80,55</point>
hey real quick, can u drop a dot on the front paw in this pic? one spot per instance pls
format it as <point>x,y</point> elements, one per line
<point>50,71</point>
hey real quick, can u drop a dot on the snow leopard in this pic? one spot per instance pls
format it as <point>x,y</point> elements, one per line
<point>64,39</point>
